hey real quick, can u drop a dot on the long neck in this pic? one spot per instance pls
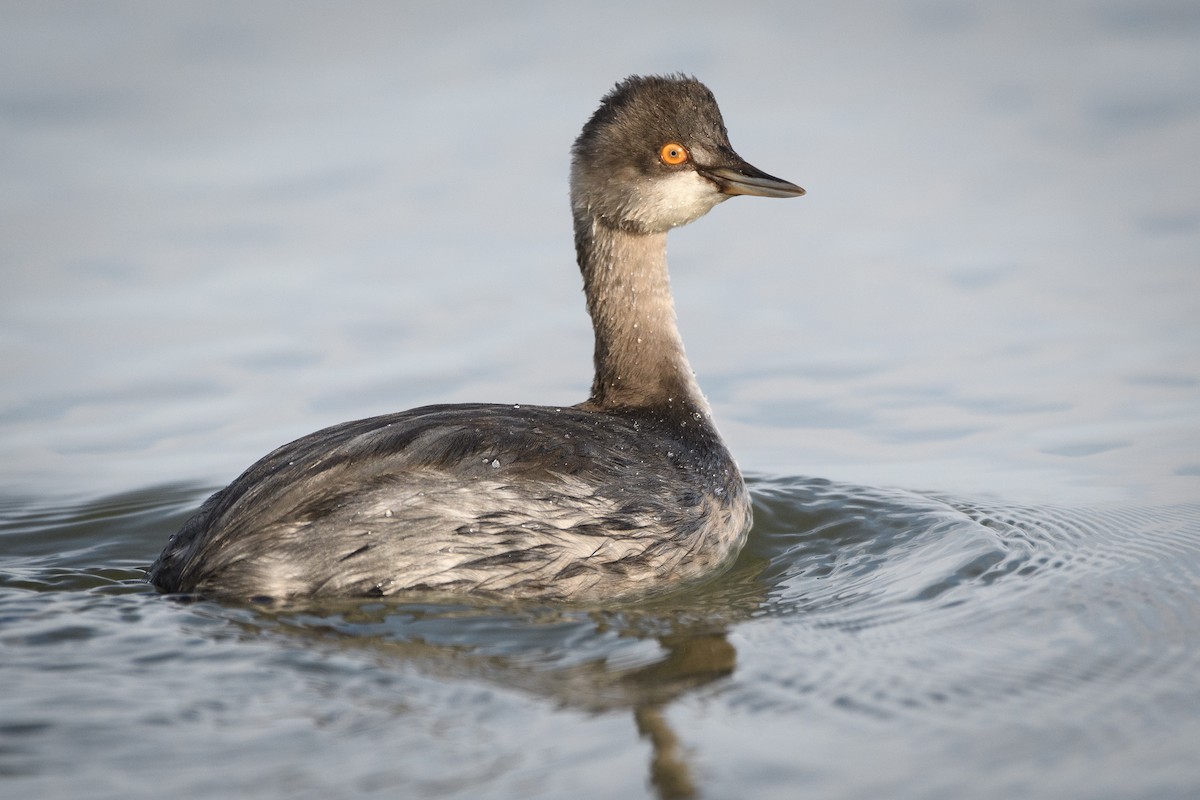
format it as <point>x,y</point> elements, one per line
<point>639,357</point>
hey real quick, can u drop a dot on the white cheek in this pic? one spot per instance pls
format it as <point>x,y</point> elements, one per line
<point>676,200</point>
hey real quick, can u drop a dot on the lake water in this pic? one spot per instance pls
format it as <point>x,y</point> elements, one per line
<point>962,375</point>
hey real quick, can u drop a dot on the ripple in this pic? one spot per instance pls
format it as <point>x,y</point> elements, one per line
<point>55,544</point>
<point>900,604</point>
<point>870,614</point>
<point>851,555</point>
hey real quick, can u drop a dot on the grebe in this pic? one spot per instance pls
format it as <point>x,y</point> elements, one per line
<point>629,493</point>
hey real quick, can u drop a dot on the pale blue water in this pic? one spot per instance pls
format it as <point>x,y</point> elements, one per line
<point>963,373</point>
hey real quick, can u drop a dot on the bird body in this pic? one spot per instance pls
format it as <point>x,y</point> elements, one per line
<point>513,500</point>
<point>631,492</point>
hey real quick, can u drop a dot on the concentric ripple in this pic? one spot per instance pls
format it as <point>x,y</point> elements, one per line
<point>901,602</point>
<point>958,647</point>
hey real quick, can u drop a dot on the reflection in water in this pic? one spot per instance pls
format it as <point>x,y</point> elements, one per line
<point>865,620</point>
<point>691,660</point>
<point>669,773</point>
<point>533,640</point>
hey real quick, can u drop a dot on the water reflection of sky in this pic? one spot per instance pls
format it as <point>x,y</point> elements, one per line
<point>227,225</point>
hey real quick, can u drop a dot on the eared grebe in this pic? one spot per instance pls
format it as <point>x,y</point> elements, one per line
<point>628,493</point>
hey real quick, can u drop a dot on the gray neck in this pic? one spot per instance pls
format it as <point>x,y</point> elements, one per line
<point>639,356</point>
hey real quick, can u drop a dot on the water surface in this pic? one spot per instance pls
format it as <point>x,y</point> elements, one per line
<point>963,375</point>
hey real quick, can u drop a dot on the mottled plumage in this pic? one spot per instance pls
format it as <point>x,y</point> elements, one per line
<point>553,502</point>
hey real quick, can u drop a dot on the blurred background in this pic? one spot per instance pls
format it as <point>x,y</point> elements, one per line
<point>228,224</point>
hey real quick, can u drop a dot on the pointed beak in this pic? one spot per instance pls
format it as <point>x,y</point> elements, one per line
<point>742,178</point>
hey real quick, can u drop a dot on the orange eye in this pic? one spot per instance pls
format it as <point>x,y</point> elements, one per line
<point>673,154</point>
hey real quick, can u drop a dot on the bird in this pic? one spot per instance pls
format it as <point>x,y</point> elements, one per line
<point>628,494</point>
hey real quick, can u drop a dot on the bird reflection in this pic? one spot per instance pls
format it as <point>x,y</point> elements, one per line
<point>692,662</point>
<point>674,650</point>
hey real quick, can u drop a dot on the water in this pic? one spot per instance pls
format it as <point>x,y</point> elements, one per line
<point>963,374</point>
